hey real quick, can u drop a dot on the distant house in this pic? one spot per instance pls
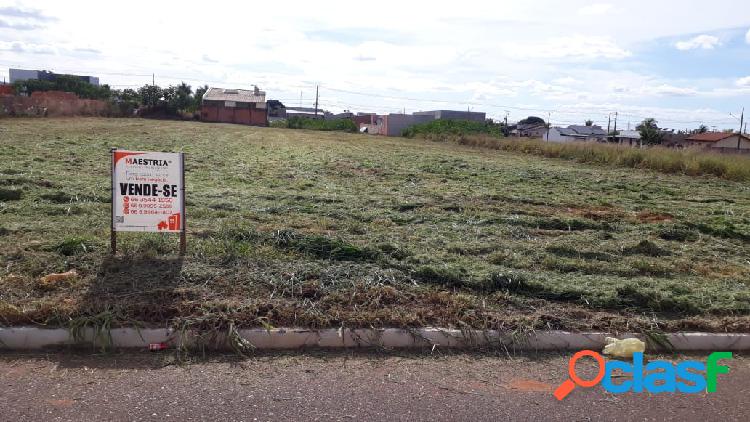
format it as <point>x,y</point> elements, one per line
<point>575,133</point>
<point>473,116</point>
<point>529,130</point>
<point>364,119</point>
<point>247,107</point>
<point>308,112</point>
<point>629,137</point>
<point>276,110</point>
<point>43,75</point>
<point>394,124</point>
<point>720,141</point>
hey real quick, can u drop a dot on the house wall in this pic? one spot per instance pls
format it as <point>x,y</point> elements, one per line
<point>241,115</point>
<point>22,75</point>
<point>473,116</point>
<point>555,136</point>
<point>534,133</point>
<point>364,120</point>
<point>394,124</point>
<point>731,143</point>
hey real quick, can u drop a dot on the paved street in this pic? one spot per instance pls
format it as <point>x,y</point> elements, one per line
<point>335,386</point>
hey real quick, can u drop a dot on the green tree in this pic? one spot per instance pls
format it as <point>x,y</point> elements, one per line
<point>532,120</point>
<point>589,123</point>
<point>183,97</point>
<point>150,95</point>
<point>650,132</point>
<point>199,92</point>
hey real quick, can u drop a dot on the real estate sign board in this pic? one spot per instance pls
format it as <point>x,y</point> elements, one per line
<point>148,191</point>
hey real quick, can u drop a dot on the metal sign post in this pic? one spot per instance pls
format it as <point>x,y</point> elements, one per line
<point>112,231</point>
<point>183,237</point>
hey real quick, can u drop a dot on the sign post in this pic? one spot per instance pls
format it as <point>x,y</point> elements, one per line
<point>148,193</point>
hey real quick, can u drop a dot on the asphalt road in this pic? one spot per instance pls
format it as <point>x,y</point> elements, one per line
<point>336,386</point>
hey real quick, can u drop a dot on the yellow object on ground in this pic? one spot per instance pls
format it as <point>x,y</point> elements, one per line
<point>623,348</point>
<point>52,280</point>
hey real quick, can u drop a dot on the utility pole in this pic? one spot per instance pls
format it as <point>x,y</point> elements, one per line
<point>615,130</point>
<point>549,116</point>
<point>316,101</point>
<point>742,119</point>
<point>153,79</point>
<point>609,118</point>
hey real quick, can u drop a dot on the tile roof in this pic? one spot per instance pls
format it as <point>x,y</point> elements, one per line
<point>237,95</point>
<point>587,130</point>
<point>710,136</point>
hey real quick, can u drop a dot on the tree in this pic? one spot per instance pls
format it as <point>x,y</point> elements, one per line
<point>184,96</point>
<point>650,133</point>
<point>198,98</point>
<point>589,123</point>
<point>701,129</point>
<point>150,95</point>
<point>532,120</point>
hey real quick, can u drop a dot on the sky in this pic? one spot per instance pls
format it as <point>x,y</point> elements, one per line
<point>685,63</point>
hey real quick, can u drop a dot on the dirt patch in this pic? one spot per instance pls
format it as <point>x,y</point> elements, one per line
<point>654,217</point>
<point>598,213</point>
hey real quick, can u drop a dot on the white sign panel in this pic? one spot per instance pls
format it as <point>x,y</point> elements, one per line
<point>147,191</point>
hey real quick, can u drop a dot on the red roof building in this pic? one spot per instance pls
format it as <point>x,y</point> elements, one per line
<point>720,141</point>
<point>241,106</point>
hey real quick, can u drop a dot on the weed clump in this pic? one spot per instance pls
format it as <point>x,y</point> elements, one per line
<point>10,194</point>
<point>323,247</point>
<point>678,234</point>
<point>646,247</point>
<point>74,246</point>
<point>58,197</point>
<point>442,276</point>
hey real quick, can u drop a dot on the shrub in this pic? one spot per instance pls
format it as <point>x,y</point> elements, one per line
<point>439,129</point>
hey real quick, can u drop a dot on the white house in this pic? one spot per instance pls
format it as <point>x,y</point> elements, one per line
<point>574,133</point>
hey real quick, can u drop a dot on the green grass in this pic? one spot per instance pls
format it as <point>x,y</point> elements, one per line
<point>323,229</point>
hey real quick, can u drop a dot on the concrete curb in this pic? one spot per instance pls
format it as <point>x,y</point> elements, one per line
<point>32,338</point>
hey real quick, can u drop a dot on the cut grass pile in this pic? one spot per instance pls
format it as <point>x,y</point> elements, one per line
<point>321,229</point>
<point>666,160</point>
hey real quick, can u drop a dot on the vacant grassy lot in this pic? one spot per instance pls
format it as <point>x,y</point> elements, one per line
<point>299,228</point>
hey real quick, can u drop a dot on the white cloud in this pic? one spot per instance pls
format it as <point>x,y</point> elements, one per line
<point>595,9</point>
<point>747,36</point>
<point>21,47</point>
<point>574,47</point>
<point>703,41</point>
<point>671,90</point>
<point>744,82</point>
